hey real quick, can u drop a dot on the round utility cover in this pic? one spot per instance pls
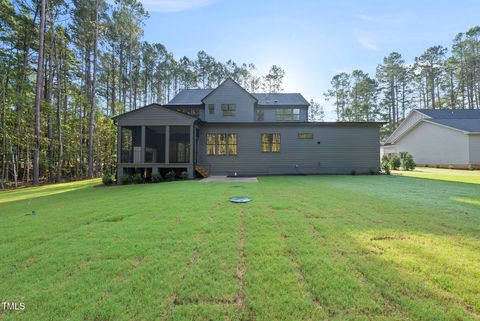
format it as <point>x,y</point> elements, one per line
<point>236,186</point>
<point>239,199</point>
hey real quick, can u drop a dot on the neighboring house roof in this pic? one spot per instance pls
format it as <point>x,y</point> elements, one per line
<point>190,97</point>
<point>464,120</point>
<point>279,99</point>
<point>451,113</point>
<point>466,125</point>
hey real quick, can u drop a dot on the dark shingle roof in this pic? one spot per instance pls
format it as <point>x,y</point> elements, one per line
<point>279,99</point>
<point>195,96</point>
<point>468,125</point>
<point>190,97</point>
<point>451,113</point>
<point>467,120</point>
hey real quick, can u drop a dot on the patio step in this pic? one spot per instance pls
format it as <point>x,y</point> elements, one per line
<point>201,170</point>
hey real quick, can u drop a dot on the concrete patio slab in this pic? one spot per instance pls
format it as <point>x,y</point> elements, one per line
<point>225,179</point>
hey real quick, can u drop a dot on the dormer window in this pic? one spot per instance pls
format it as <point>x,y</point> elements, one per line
<point>228,109</point>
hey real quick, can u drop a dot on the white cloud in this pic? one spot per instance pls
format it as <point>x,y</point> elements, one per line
<point>363,40</point>
<point>377,20</point>
<point>366,43</point>
<point>174,5</point>
<point>364,17</point>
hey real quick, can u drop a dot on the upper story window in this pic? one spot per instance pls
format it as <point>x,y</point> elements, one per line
<point>259,114</point>
<point>218,144</point>
<point>287,114</point>
<point>229,109</point>
<point>270,143</point>
<point>211,108</point>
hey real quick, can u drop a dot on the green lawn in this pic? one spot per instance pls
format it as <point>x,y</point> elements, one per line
<point>452,175</point>
<point>306,248</point>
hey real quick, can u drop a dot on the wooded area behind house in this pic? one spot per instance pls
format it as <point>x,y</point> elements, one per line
<point>66,68</point>
<point>437,78</point>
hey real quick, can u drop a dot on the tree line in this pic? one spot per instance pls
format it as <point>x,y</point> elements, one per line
<point>67,67</point>
<point>438,78</point>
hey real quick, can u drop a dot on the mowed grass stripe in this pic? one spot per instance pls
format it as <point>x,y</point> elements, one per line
<point>319,247</point>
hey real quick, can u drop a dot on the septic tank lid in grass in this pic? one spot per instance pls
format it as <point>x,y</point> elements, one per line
<point>240,199</point>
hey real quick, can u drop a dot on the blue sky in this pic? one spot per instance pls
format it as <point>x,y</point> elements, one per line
<point>311,40</point>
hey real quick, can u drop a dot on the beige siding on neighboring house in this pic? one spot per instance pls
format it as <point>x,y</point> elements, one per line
<point>389,149</point>
<point>474,143</point>
<point>433,144</point>
<point>406,125</point>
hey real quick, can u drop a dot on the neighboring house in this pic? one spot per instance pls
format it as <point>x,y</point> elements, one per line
<point>438,137</point>
<point>229,131</point>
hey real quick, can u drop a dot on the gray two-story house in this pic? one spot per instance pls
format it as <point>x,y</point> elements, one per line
<point>229,131</point>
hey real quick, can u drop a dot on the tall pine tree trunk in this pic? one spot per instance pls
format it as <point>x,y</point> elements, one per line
<point>432,88</point>
<point>113,81</point>
<point>58,63</point>
<point>4,130</point>
<point>38,95</point>
<point>92,102</point>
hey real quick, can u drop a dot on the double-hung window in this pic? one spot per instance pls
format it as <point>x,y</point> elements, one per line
<point>270,143</point>
<point>232,144</point>
<point>228,109</point>
<point>211,142</point>
<point>220,144</point>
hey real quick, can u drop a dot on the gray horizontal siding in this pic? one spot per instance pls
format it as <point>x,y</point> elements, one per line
<point>154,116</point>
<point>230,93</point>
<point>341,150</point>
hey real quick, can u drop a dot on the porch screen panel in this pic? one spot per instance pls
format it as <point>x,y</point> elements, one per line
<point>179,144</point>
<point>155,144</point>
<point>130,144</point>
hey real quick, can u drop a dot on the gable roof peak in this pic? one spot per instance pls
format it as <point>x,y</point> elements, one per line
<point>229,79</point>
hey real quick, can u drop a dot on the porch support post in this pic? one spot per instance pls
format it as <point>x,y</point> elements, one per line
<point>142,155</point>
<point>119,144</point>
<point>120,173</point>
<point>190,171</point>
<point>167,144</point>
<point>192,144</point>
